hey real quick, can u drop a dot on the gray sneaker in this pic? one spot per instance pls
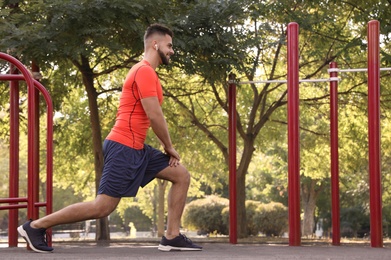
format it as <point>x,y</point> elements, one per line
<point>179,243</point>
<point>35,237</point>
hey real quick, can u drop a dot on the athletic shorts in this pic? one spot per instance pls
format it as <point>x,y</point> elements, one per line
<point>126,169</point>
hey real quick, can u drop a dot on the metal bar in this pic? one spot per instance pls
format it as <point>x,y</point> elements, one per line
<point>14,158</point>
<point>319,80</point>
<point>33,164</point>
<point>35,128</point>
<point>13,207</point>
<point>19,206</point>
<point>263,81</point>
<point>40,204</point>
<point>355,70</point>
<point>232,159</point>
<point>12,200</point>
<point>375,186</point>
<point>335,210</point>
<point>30,86</point>
<point>293,136</point>
<point>49,155</point>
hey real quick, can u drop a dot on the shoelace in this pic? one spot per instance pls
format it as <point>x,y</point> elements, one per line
<point>44,238</point>
<point>186,238</point>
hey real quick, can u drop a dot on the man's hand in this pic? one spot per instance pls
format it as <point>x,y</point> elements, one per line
<point>174,156</point>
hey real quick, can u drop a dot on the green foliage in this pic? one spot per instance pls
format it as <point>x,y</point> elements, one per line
<point>354,222</point>
<point>73,28</point>
<point>132,213</point>
<point>212,38</point>
<point>251,212</point>
<point>272,219</point>
<point>211,215</point>
<point>206,215</point>
<point>251,215</point>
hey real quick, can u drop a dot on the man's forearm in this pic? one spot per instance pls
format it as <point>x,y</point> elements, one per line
<point>160,128</point>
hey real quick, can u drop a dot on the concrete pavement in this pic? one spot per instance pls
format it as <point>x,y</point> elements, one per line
<point>148,250</point>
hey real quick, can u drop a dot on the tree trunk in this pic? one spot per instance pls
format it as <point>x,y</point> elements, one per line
<point>162,184</point>
<point>241,205</point>
<point>241,187</point>
<point>309,195</point>
<point>102,225</point>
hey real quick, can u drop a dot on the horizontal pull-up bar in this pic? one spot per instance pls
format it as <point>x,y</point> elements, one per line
<point>355,70</point>
<point>292,82</point>
<point>311,80</point>
<point>285,81</point>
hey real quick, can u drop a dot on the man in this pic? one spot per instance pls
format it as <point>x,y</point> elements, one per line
<point>128,162</point>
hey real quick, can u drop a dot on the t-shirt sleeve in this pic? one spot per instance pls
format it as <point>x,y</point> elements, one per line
<point>146,82</point>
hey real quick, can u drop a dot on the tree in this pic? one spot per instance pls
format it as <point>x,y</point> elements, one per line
<point>249,38</point>
<point>252,43</point>
<point>212,39</point>
<point>96,45</point>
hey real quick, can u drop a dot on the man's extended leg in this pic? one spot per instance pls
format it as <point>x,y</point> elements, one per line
<point>180,179</point>
<point>101,207</point>
<point>34,231</point>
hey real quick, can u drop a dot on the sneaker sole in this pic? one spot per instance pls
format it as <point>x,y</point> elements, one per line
<point>23,233</point>
<point>173,248</point>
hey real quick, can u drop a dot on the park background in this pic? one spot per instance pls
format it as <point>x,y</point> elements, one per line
<point>84,48</point>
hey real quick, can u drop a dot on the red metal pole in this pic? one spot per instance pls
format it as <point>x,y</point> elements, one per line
<point>293,136</point>
<point>31,211</point>
<point>32,85</point>
<point>49,156</point>
<point>232,159</point>
<point>335,212</point>
<point>14,156</point>
<point>374,134</point>
<point>35,163</point>
<point>14,159</point>
<point>49,148</point>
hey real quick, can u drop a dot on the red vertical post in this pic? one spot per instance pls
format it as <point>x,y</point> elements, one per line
<point>232,158</point>
<point>14,154</point>
<point>31,150</point>
<point>293,136</point>
<point>35,163</point>
<point>49,160</point>
<point>375,186</point>
<point>335,211</point>
<point>14,158</point>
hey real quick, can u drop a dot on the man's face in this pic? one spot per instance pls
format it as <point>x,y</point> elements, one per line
<point>165,49</point>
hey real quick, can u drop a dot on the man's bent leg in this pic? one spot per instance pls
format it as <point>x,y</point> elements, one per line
<point>173,240</point>
<point>180,179</point>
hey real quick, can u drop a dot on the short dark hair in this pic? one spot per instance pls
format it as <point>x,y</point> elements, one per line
<point>159,29</point>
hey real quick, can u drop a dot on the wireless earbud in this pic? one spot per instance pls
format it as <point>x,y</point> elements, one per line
<point>156,47</point>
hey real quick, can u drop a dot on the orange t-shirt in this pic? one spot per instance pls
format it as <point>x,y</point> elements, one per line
<point>132,123</point>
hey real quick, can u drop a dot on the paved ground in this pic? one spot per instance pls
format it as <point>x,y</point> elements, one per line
<point>145,250</point>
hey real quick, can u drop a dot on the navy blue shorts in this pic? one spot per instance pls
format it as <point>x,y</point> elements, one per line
<point>126,169</point>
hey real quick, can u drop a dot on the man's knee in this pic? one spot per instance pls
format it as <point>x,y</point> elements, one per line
<point>104,205</point>
<point>177,174</point>
<point>185,176</point>
<point>102,211</point>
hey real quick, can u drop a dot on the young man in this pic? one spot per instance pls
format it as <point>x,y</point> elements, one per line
<point>128,162</point>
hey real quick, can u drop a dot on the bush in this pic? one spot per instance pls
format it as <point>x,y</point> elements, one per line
<point>251,213</point>
<point>211,214</point>
<point>205,215</point>
<point>354,222</point>
<point>140,220</point>
<point>272,218</point>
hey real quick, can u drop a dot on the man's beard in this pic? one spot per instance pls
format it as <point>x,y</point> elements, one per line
<point>163,57</point>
